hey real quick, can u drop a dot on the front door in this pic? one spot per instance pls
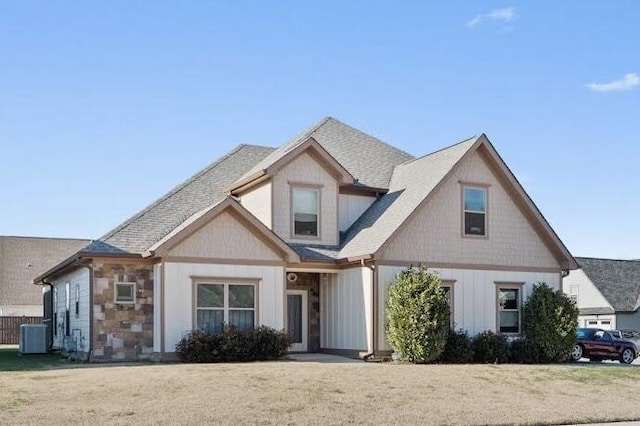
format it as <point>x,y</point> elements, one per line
<point>297,317</point>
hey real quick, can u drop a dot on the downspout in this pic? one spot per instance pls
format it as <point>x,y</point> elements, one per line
<point>372,268</point>
<point>51,311</point>
<point>90,268</point>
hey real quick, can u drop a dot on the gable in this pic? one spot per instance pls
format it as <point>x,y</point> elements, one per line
<point>433,233</point>
<point>226,236</point>
<point>578,284</point>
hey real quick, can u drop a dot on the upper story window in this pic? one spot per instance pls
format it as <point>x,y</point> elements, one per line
<point>475,211</point>
<point>306,208</point>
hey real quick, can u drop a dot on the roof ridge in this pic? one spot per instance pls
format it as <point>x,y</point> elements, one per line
<point>175,190</point>
<point>475,137</point>
<point>607,259</point>
<point>329,118</point>
<point>45,238</point>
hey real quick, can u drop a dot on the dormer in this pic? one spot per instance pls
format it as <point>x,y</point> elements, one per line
<point>295,193</point>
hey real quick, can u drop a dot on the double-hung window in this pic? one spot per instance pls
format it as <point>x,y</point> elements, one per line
<point>67,314</point>
<point>306,207</point>
<point>77,300</point>
<point>447,287</point>
<point>509,305</point>
<point>218,304</point>
<point>475,211</point>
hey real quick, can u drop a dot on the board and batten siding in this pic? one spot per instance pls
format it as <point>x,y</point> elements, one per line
<point>351,207</point>
<point>346,315</point>
<point>225,237</point>
<point>258,202</point>
<point>474,296</point>
<point>179,295</point>
<point>78,326</point>
<point>434,232</point>
<point>305,170</point>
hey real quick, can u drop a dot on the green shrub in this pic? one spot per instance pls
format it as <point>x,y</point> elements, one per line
<point>458,349</point>
<point>418,315</point>
<point>522,351</point>
<point>549,323</point>
<point>489,347</point>
<point>260,344</point>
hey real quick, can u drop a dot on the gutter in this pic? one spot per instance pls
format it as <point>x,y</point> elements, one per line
<point>372,268</point>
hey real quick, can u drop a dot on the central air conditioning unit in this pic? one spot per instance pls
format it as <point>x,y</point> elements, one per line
<point>33,339</point>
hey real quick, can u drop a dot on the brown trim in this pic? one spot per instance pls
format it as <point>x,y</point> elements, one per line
<point>364,191</point>
<point>509,285</point>
<point>314,149</point>
<point>472,266</point>
<point>241,214</point>
<point>485,188</point>
<point>242,190</point>
<point>471,183</point>
<point>162,307</point>
<point>195,280</point>
<point>218,261</point>
<point>318,189</point>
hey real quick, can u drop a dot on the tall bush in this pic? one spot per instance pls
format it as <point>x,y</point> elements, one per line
<point>418,315</point>
<point>549,323</point>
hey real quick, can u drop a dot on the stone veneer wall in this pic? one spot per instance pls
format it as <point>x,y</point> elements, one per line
<point>122,332</point>
<point>311,283</point>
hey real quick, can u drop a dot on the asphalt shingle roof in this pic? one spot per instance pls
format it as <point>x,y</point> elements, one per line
<point>617,280</point>
<point>411,183</point>
<point>368,159</point>
<point>202,190</point>
<point>24,258</point>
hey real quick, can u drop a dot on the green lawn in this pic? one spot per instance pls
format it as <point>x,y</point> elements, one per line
<point>11,360</point>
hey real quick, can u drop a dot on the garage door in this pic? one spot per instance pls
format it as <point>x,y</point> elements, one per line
<point>603,324</point>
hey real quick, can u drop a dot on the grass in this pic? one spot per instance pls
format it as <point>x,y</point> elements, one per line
<point>316,393</point>
<point>11,360</point>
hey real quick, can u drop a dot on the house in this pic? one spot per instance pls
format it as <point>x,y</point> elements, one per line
<point>307,237</point>
<point>21,260</point>
<point>607,292</point>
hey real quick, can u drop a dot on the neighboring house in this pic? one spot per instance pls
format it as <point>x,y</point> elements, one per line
<point>607,292</point>
<point>21,260</point>
<point>307,237</point>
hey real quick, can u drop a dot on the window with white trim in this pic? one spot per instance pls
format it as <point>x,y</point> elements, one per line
<point>125,292</point>
<point>55,311</point>
<point>305,202</point>
<point>77,300</point>
<point>509,305</point>
<point>474,211</point>
<point>67,304</point>
<point>218,304</point>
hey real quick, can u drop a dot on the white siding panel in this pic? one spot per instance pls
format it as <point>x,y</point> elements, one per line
<point>588,295</point>
<point>157,312</point>
<point>78,326</point>
<point>434,233</point>
<point>351,207</point>
<point>306,170</point>
<point>346,310</point>
<point>258,202</point>
<point>474,295</point>
<point>178,296</point>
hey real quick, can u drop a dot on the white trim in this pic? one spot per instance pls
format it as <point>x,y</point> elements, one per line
<point>133,292</point>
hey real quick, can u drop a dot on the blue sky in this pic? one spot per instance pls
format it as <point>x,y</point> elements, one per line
<point>106,106</point>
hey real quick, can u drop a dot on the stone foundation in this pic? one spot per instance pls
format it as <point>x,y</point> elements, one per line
<point>122,331</point>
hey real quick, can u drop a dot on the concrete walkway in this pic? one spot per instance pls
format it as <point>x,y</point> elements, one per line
<point>325,359</point>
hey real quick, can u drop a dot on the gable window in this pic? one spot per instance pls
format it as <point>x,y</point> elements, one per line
<point>475,211</point>
<point>125,292</point>
<point>509,305</point>
<point>305,203</point>
<point>220,304</point>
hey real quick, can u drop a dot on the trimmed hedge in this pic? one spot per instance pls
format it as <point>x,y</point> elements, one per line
<point>491,348</point>
<point>260,344</point>
<point>458,349</point>
<point>418,315</point>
